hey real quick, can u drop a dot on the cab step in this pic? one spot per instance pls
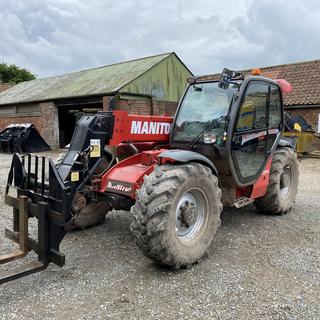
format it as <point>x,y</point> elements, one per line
<point>242,201</point>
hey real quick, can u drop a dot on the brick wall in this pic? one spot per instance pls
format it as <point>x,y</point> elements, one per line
<point>144,107</point>
<point>37,121</point>
<point>50,124</point>
<point>165,107</point>
<point>134,106</point>
<point>311,116</point>
<point>105,102</point>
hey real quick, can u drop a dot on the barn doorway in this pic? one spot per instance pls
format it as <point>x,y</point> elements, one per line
<point>69,113</point>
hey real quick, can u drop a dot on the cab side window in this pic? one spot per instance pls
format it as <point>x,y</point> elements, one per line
<point>275,109</point>
<point>253,110</point>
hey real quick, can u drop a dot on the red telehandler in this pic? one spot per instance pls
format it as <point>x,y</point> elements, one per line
<point>223,147</point>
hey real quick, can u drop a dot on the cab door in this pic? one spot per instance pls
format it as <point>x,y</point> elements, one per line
<point>255,130</point>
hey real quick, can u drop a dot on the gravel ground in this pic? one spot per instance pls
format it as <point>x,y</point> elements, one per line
<point>259,267</point>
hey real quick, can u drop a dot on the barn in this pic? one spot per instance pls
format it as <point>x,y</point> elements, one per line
<point>150,85</point>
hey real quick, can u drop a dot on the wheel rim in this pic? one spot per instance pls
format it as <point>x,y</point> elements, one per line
<point>191,214</point>
<point>286,179</point>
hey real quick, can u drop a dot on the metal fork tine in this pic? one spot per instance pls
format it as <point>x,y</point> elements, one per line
<point>29,170</point>
<point>43,173</point>
<point>36,173</point>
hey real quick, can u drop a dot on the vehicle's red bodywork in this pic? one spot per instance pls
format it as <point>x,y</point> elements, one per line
<point>127,176</point>
<point>147,134</point>
<point>150,135</point>
<point>139,128</point>
<point>259,188</point>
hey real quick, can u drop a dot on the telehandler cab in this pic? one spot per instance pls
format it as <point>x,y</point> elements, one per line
<point>223,147</point>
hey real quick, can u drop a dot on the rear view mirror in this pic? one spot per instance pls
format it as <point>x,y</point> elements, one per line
<point>225,78</point>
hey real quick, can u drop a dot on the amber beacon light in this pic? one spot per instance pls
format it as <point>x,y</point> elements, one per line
<point>256,72</point>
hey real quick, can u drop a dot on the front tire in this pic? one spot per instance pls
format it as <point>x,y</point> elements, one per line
<point>177,214</point>
<point>283,184</point>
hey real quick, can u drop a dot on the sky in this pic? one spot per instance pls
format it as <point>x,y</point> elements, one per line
<point>51,37</point>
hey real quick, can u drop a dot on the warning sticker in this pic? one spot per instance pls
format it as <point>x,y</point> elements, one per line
<point>96,149</point>
<point>75,176</point>
<point>250,136</point>
<point>297,127</point>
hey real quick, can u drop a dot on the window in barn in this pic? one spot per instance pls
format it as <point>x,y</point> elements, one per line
<point>29,109</point>
<point>7,111</point>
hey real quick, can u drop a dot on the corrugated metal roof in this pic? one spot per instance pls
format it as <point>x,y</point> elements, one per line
<point>102,80</point>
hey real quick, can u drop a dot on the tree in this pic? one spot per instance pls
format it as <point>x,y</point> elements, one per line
<point>13,74</point>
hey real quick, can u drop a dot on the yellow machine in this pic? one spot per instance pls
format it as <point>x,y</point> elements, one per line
<point>304,140</point>
<point>298,128</point>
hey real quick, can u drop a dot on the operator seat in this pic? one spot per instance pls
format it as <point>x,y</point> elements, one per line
<point>125,150</point>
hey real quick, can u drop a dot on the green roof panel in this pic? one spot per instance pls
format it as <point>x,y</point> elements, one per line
<point>166,81</point>
<point>98,81</point>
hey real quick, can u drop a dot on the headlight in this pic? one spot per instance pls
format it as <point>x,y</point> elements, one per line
<point>209,138</point>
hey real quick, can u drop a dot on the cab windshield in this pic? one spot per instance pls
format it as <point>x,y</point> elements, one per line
<point>204,105</point>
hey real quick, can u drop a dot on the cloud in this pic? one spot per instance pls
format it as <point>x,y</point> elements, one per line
<point>280,32</point>
<point>57,36</point>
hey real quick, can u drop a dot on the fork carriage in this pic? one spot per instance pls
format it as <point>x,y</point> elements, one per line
<point>48,200</point>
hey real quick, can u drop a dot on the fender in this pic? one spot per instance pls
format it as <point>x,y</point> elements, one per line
<point>127,176</point>
<point>184,156</point>
<point>287,142</point>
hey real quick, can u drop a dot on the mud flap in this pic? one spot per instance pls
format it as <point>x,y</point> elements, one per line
<point>91,215</point>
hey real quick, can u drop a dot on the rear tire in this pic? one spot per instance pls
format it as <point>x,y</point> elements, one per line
<point>283,184</point>
<point>177,214</point>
